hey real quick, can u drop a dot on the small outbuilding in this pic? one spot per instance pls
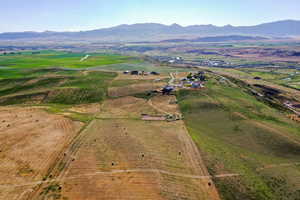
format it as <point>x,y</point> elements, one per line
<point>154,73</point>
<point>167,90</point>
<point>134,72</point>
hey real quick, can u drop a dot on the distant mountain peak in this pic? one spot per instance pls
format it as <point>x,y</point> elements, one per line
<point>176,25</point>
<point>156,31</point>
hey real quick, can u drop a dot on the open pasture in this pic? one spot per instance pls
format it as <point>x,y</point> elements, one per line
<point>236,133</point>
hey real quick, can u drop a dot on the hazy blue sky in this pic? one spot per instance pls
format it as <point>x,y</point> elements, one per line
<point>40,15</point>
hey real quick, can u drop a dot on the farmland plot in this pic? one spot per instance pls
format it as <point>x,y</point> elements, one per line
<point>122,157</point>
<point>30,141</point>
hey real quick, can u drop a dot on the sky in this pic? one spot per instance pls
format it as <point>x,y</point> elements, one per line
<point>75,15</point>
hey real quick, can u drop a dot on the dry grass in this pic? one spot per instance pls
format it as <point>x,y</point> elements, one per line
<point>30,140</point>
<point>86,108</point>
<point>134,89</point>
<point>118,141</point>
<point>126,107</point>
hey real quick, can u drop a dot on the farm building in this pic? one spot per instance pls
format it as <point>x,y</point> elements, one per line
<point>154,73</point>
<point>167,90</point>
<point>134,72</point>
<point>142,73</point>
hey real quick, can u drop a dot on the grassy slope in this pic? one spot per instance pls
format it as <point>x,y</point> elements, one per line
<point>238,134</point>
<point>286,77</point>
<point>56,86</point>
<point>57,89</point>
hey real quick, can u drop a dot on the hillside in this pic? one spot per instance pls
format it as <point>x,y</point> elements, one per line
<point>155,32</point>
<point>219,39</point>
<point>237,133</point>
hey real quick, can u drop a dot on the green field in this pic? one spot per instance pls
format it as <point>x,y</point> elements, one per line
<point>62,59</point>
<point>236,133</point>
<point>57,76</point>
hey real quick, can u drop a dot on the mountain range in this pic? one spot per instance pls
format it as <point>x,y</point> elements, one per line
<point>159,32</point>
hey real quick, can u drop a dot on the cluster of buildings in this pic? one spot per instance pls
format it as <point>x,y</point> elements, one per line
<point>194,80</point>
<point>212,62</point>
<point>168,59</point>
<point>196,62</point>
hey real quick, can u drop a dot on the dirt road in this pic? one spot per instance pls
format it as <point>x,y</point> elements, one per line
<point>114,172</point>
